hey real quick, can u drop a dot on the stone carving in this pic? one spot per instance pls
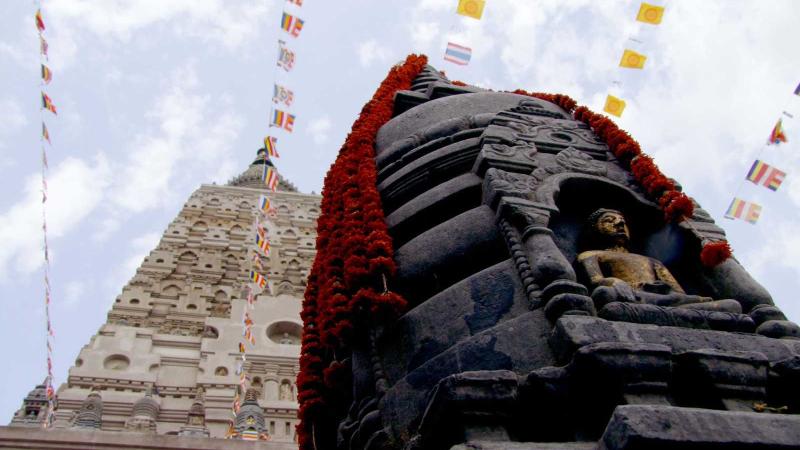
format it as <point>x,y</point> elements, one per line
<point>144,415</point>
<point>90,415</point>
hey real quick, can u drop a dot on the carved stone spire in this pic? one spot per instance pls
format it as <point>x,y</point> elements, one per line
<point>144,414</point>
<point>91,413</point>
<point>253,176</point>
<point>33,411</point>
<point>196,420</point>
<point>250,423</point>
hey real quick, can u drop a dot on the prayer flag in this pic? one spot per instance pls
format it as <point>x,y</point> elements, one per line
<point>270,145</point>
<point>282,119</point>
<point>285,56</point>
<point>47,75</point>
<point>766,175</point>
<point>457,54</point>
<point>263,243</point>
<point>249,337</point>
<point>614,105</point>
<point>797,90</point>
<point>471,8</point>
<point>241,346</point>
<point>259,280</point>
<point>777,136</point>
<point>741,209</point>
<point>632,60</point>
<point>271,178</point>
<point>48,104</point>
<point>651,14</point>
<point>282,95</point>
<point>43,46</point>
<point>39,21</point>
<point>264,203</point>
<point>296,2</point>
<point>45,136</point>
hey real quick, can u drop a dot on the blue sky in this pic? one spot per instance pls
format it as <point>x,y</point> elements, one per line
<point>158,97</point>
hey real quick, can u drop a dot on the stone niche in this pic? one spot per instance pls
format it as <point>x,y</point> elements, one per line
<point>539,321</point>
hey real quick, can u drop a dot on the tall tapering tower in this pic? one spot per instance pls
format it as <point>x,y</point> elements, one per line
<point>173,333</point>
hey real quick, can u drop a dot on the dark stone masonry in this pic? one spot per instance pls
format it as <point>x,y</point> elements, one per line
<point>550,305</point>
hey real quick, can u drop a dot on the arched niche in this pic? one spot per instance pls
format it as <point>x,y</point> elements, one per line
<point>116,362</point>
<point>221,371</point>
<point>285,332</point>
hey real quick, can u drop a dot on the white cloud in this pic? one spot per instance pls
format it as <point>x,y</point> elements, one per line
<point>371,51</point>
<point>319,129</point>
<point>11,118</point>
<point>74,292</point>
<point>75,190</point>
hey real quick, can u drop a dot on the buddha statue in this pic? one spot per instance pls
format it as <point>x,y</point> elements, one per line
<point>617,275</point>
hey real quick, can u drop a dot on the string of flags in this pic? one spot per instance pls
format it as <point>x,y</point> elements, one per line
<point>761,174</point>
<point>458,53</point>
<point>47,104</point>
<point>631,59</point>
<point>281,119</point>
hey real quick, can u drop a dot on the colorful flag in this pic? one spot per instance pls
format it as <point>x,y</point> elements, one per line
<point>241,346</point>
<point>46,135</point>
<point>264,203</point>
<point>270,177</point>
<point>766,175</point>
<point>777,136</point>
<point>43,46</point>
<point>48,104</point>
<point>285,56</point>
<point>271,146</point>
<point>249,435</point>
<point>741,209</point>
<point>282,95</point>
<point>257,262</point>
<point>457,54</point>
<point>249,337</point>
<point>47,75</point>
<point>471,8</point>
<point>614,105</point>
<point>296,2</point>
<point>651,14</point>
<point>39,21</point>
<point>263,243</point>
<point>282,119</point>
<point>291,24</point>
<point>260,281</point>
<point>632,60</point>
<point>797,90</point>
<point>247,320</point>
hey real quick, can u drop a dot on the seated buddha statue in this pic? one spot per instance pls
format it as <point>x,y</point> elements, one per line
<point>617,275</point>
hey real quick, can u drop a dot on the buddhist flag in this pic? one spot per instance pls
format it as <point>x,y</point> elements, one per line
<point>632,60</point>
<point>766,175</point>
<point>457,54</point>
<point>270,177</point>
<point>39,21</point>
<point>48,104</point>
<point>241,345</point>
<point>43,46</point>
<point>264,203</point>
<point>777,136</point>
<point>257,264</point>
<point>471,8</point>
<point>285,56</point>
<point>797,90</point>
<point>651,14</point>
<point>282,95</point>
<point>263,243</point>
<point>271,146</point>
<point>46,134</point>
<point>47,75</point>
<point>296,2</point>
<point>741,209</point>
<point>260,281</point>
<point>282,119</point>
<point>291,24</point>
<point>614,105</point>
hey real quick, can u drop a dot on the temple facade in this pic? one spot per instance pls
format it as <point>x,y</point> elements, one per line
<point>165,361</point>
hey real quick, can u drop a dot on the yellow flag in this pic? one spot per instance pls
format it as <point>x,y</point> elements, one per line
<point>614,105</point>
<point>651,14</point>
<point>471,8</point>
<point>632,60</point>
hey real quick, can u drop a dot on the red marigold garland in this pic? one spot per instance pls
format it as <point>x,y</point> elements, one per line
<point>676,205</point>
<point>347,285</point>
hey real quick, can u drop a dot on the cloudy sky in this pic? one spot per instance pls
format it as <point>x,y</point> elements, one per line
<point>156,97</point>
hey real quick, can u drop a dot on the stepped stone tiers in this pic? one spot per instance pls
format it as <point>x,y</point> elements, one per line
<point>164,362</point>
<point>549,303</point>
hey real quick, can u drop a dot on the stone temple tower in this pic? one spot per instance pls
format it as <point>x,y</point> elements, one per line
<point>547,288</point>
<point>165,361</point>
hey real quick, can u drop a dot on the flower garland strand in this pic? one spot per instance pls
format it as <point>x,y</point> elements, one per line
<point>346,287</point>
<point>676,205</point>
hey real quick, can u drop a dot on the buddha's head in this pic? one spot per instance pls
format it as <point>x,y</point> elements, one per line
<point>607,228</point>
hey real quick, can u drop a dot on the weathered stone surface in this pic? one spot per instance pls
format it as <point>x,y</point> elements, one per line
<point>644,427</point>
